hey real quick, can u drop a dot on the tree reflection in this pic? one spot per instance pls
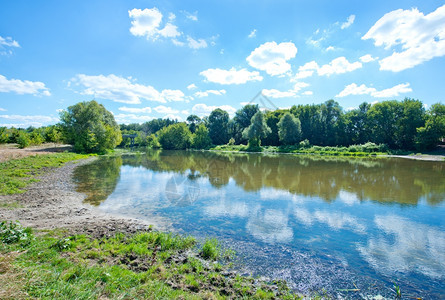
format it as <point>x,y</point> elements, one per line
<point>377,179</point>
<point>98,179</point>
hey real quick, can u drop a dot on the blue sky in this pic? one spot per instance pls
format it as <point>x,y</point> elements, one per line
<point>151,59</point>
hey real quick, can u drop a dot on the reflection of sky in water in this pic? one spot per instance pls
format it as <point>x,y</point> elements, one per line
<point>365,240</point>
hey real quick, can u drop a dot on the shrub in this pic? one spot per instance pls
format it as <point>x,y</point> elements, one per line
<point>14,232</point>
<point>23,139</point>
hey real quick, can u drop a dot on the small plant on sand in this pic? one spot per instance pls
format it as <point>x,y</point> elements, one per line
<point>13,232</point>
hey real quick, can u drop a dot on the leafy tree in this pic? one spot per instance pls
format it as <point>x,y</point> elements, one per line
<point>175,137</point>
<point>90,127</point>
<point>201,138</point>
<point>257,130</point>
<point>218,126</point>
<point>53,134</point>
<point>242,120</point>
<point>383,118</point>
<point>272,119</point>
<point>193,122</point>
<point>289,129</point>
<point>428,136</point>
<point>153,142</point>
<point>412,117</point>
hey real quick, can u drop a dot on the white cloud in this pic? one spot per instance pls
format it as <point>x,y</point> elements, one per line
<point>131,118</point>
<point>231,76</point>
<point>202,109</point>
<point>135,110</point>
<point>173,95</point>
<point>8,42</point>
<point>393,92</point>
<point>330,48</point>
<point>368,58</point>
<point>338,65</point>
<point>308,93</point>
<point>172,117</point>
<point>22,87</point>
<point>252,34</point>
<point>26,121</point>
<point>208,92</point>
<point>348,22</point>
<point>165,110</point>
<point>273,93</point>
<point>354,89</point>
<point>421,37</point>
<point>272,57</point>
<point>2,109</point>
<point>123,90</point>
<point>185,112</point>
<point>191,16</point>
<point>192,87</point>
<point>196,44</point>
<point>147,23</point>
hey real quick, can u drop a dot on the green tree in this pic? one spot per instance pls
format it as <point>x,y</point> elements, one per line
<point>218,124</point>
<point>90,127</point>
<point>412,117</point>
<point>175,137</point>
<point>257,130</point>
<point>193,122</point>
<point>153,142</point>
<point>242,120</point>
<point>428,136</point>
<point>289,129</point>
<point>201,138</point>
<point>53,134</point>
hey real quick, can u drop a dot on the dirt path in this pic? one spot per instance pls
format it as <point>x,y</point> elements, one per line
<point>53,203</point>
<point>11,151</point>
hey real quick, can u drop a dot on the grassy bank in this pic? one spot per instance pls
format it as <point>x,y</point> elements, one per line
<point>148,265</point>
<point>368,149</point>
<point>16,174</point>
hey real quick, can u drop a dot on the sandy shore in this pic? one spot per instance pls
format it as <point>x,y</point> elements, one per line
<point>54,203</point>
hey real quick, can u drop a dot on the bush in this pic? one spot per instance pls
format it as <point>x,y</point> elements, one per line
<point>211,249</point>
<point>14,232</point>
<point>153,142</point>
<point>23,139</point>
<point>175,137</point>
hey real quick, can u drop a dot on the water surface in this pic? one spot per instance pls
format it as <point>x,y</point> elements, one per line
<point>321,223</point>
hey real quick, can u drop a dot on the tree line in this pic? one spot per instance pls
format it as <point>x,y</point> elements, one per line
<point>396,124</point>
<point>403,125</point>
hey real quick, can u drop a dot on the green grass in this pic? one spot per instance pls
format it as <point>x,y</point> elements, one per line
<point>368,149</point>
<point>147,265</point>
<point>16,174</point>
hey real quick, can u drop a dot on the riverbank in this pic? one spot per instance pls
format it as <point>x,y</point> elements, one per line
<point>438,155</point>
<point>80,252</point>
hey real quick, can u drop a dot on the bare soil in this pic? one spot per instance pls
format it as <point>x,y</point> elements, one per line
<point>11,151</point>
<point>54,203</point>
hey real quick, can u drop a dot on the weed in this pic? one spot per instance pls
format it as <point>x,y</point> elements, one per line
<point>13,232</point>
<point>211,249</point>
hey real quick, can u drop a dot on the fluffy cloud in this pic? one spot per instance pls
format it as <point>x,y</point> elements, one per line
<point>348,22</point>
<point>208,92</point>
<point>338,65</point>
<point>147,23</point>
<point>26,121</point>
<point>22,87</point>
<point>161,109</point>
<point>202,109</point>
<point>123,90</point>
<point>421,37</point>
<point>192,87</point>
<point>135,110</point>
<point>191,16</point>
<point>368,58</point>
<point>2,109</point>
<point>354,89</point>
<point>273,93</point>
<point>231,76</point>
<point>131,118</point>
<point>272,57</point>
<point>196,44</point>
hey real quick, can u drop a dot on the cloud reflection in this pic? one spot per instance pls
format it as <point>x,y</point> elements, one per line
<point>407,246</point>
